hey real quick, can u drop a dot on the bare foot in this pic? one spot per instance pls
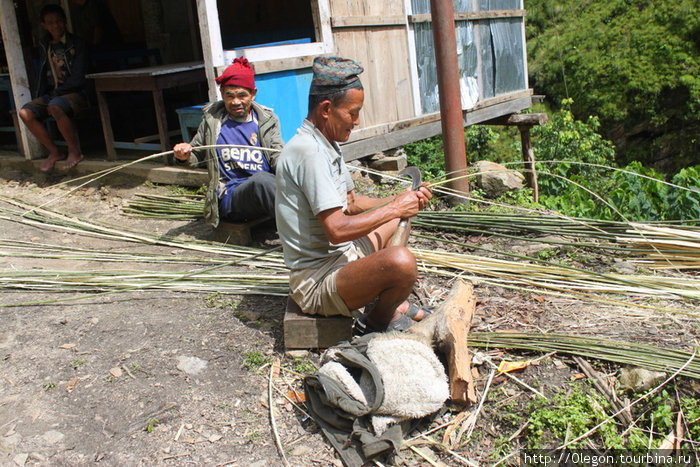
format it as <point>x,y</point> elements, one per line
<point>50,161</point>
<point>72,161</point>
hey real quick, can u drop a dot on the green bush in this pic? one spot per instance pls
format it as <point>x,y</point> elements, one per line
<point>577,173</point>
<point>635,64</point>
<point>685,204</point>
<point>429,155</point>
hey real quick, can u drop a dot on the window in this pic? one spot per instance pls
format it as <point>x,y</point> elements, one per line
<point>273,29</point>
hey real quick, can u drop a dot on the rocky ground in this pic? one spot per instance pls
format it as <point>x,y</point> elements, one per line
<point>182,378</point>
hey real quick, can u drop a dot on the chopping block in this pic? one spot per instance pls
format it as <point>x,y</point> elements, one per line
<point>302,331</point>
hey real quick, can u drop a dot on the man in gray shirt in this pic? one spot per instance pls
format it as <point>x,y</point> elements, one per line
<point>335,240</point>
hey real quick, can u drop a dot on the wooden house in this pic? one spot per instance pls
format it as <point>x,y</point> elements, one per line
<point>392,39</point>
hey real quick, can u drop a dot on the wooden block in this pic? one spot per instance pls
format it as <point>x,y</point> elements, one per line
<point>303,331</point>
<point>237,233</point>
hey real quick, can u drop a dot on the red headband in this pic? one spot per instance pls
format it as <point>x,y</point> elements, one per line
<point>239,73</point>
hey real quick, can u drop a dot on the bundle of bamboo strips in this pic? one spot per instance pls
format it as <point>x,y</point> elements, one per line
<point>655,244</point>
<point>232,282</point>
<point>165,207</point>
<point>31,215</point>
<point>684,242</point>
<point>667,245</point>
<point>558,277</point>
<point>629,353</point>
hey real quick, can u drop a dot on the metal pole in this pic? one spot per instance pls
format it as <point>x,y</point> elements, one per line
<point>452,122</point>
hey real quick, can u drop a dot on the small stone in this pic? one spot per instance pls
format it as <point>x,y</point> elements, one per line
<point>625,267</point>
<point>191,365</point>
<point>300,450</point>
<point>53,436</point>
<point>115,372</point>
<point>297,353</point>
<point>12,440</point>
<point>496,179</point>
<point>20,459</point>
<point>35,456</point>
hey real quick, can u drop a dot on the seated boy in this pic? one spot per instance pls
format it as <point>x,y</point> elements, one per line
<point>60,88</point>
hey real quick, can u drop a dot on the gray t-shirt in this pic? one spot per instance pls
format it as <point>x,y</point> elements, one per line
<point>311,178</point>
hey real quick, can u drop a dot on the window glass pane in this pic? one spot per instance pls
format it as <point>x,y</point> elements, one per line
<point>246,24</point>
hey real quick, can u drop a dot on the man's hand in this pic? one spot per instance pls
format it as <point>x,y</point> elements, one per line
<point>410,202</point>
<point>182,151</point>
<point>425,194</point>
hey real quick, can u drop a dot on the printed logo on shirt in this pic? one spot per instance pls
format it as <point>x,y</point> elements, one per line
<point>246,158</point>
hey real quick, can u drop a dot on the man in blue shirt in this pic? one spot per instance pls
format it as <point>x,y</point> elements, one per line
<point>241,176</point>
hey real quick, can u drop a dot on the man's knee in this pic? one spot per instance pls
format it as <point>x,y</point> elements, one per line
<point>402,263</point>
<point>55,111</point>
<point>266,180</point>
<point>27,115</point>
<point>265,187</point>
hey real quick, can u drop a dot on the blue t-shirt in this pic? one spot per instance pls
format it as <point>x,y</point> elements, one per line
<point>237,164</point>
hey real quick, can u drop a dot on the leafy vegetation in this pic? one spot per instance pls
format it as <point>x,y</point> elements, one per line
<point>254,360</point>
<point>151,423</point>
<point>578,176</point>
<point>573,413</point>
<point>633,63</point>
<point>577,172</point>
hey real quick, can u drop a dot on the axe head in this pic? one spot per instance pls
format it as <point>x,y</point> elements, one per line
<point>414,173</point>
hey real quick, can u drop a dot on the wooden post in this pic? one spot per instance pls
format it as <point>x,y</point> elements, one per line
<point>28,144</point>
<point>525,122</point>
<point>529,159</point>
<point>212,48</point>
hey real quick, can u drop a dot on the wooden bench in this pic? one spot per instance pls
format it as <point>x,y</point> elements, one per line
<point>237,233</point>
<point>303,331</point>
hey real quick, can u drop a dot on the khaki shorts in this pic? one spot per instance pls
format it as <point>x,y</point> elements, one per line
<point>315,290</point>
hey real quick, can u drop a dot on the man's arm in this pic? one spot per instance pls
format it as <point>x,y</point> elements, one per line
<point>183,151</point>
<point>358,204</point>
<point>342,226</point>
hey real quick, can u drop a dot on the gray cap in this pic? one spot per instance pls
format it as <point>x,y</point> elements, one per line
<point>334,74</point>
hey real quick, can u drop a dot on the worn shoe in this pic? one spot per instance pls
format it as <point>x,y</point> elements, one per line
<point>360,326</point>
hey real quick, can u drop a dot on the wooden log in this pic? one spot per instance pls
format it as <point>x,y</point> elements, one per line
<point>447,328</point>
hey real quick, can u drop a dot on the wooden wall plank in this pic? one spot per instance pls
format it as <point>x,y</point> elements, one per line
<point>472,16</point>
<point>380,44</point>
<point>367,21</point>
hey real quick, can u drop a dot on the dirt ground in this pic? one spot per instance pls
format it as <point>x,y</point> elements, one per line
<point>169,378</point>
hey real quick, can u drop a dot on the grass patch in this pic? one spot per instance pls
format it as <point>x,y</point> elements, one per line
<point>254,360</point>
